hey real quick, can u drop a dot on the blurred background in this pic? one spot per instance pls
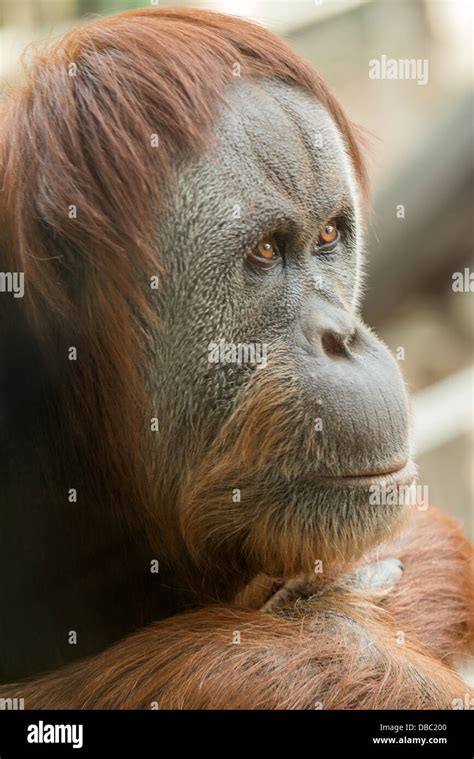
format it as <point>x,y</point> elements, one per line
<point>420,134</point>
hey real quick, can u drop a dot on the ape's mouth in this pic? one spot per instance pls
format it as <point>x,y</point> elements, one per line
<point>399,476</point>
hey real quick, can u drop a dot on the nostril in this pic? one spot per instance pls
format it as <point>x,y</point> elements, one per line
<point>333,344</point>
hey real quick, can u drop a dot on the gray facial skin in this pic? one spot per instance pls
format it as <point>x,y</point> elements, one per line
<point>277,168</point>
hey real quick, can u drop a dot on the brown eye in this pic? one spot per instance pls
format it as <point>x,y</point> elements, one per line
<point>266,254</point>
<point>266,249</point>
<point>328,234</point>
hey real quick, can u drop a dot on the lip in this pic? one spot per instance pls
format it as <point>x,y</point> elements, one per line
<point>404,475</point>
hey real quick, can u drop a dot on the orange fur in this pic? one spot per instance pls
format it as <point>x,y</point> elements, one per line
<point>335,650</point>
<point>86,141</point>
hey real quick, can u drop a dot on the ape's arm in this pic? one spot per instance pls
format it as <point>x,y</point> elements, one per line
<point>340,650</point>
<point>431,605</point>
<point>330,660</point>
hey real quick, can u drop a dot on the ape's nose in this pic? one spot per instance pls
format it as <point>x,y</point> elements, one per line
<point>329,328</point>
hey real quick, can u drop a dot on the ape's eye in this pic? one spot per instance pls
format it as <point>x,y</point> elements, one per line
<point>266,254</point>
<point>329,234</point>
<point>266,249</point>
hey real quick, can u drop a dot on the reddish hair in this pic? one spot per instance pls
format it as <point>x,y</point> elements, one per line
<point>337,646</point>
<point>79,133</point>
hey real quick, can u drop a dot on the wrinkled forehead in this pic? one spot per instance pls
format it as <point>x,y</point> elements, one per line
<point>275,134</point>
<point>275,153</point>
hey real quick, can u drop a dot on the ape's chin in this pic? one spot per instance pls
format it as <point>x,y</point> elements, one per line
<point>319,524</point>
<point>282,524</point>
